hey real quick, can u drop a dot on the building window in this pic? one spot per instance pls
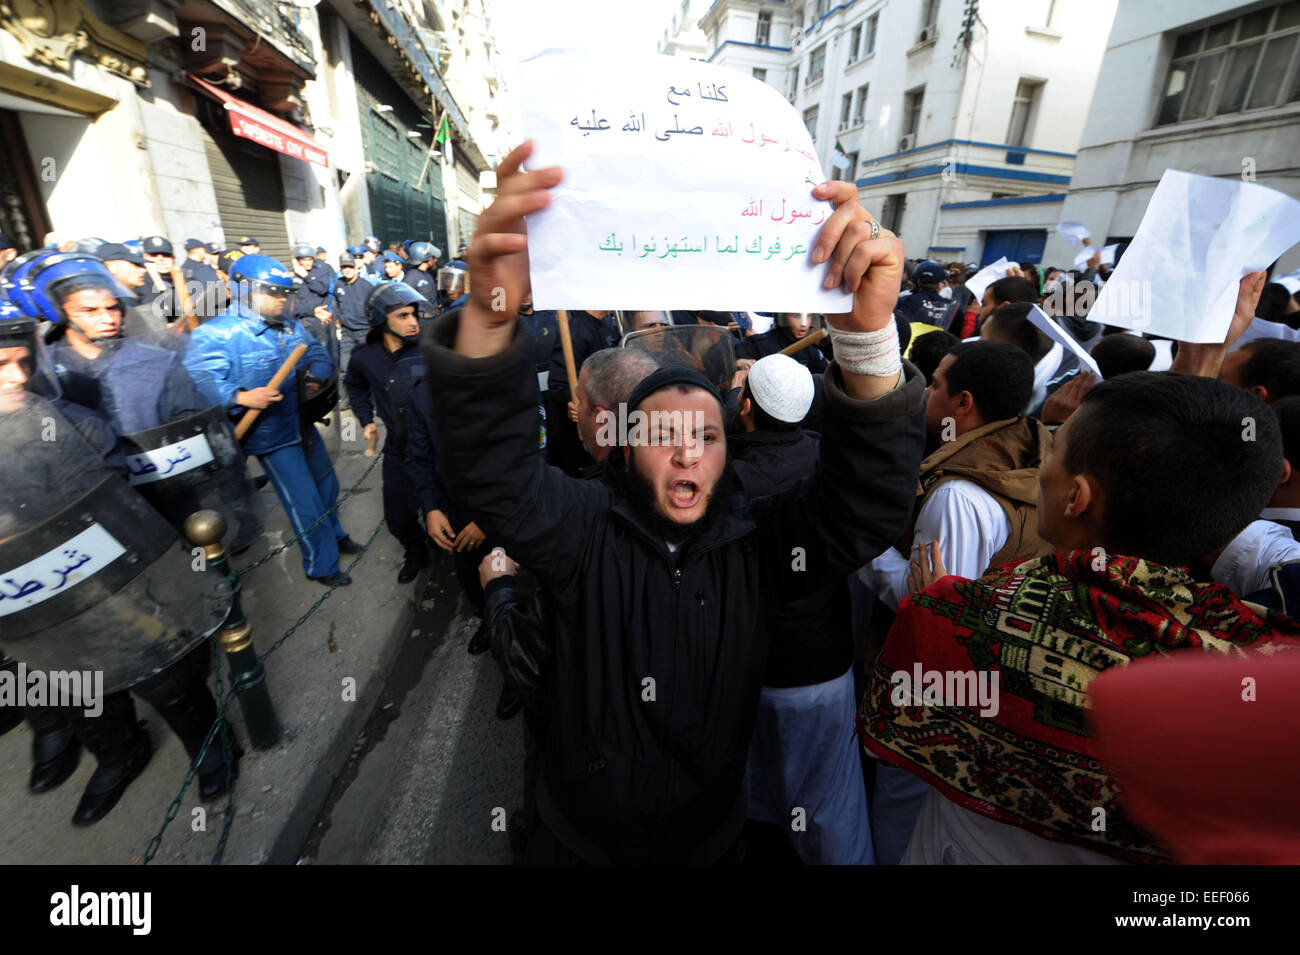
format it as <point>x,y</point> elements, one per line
<point>817,65</point>
<point>860,112</point>
<point>849,172</point>
<point>855,40</point>
<point>912,101</point>
<point>1023,109</point>
<point>821,8</point>
<point>846,110</point>
<point>1243,64</point>
<point>891,213</point>
<point>760,75</point>
<point>764,28</point>
<point>794,82</point>
<point>810,120</point>
<point>929,13</point>
<point>869,46</point>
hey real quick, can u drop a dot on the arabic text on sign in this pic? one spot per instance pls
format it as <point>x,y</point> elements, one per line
<point>58,570</point>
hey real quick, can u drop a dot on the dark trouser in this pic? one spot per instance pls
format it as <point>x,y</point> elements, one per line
<point>181,696</point>
<point>401,511</point>
<point>349,340</point>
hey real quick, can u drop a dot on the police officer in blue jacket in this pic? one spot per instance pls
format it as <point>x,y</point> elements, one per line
<point>422,259</point>
<point>134,385</point>
<point>380,379</point>
<point>350,294</point>
<point>231,359</point>
<point>373,251</point>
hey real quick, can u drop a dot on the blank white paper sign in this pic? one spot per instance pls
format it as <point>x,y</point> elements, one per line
<point>1180,274</point>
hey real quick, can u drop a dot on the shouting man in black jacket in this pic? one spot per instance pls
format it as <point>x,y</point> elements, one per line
<point>662,586</point>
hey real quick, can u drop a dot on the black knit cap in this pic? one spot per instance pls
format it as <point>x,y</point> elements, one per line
<point>667,377</point>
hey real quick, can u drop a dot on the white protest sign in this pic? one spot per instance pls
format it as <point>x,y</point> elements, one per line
<point>986,276</point>
<point>686,185</point>
<point>1074,232</point>
<point>1106,252</point>
<point>1199,237</point>
<point>1047,325</point>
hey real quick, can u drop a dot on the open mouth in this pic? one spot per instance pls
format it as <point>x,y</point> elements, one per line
<point>684,494</point>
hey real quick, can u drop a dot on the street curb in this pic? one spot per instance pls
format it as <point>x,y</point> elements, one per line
<point>297,828</point>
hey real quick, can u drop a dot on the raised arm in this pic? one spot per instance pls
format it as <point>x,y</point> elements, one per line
<point>872,419</point>
<point>483,387</point>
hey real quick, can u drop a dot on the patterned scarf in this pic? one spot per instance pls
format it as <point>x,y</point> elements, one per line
<point>1044,629</point>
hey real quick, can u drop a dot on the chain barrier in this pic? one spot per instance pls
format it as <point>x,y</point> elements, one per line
<point>275,551</point>
<point>224,697</point>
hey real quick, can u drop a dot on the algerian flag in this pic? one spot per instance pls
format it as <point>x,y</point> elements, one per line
<point>841,159</point>
<point>444,131</point>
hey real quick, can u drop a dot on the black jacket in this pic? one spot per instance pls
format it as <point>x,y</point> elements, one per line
<point>641,771</point>
<point>812,636</point>
<point>774,340</point>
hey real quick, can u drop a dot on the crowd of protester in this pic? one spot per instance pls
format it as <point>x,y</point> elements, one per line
<point>843,602</point>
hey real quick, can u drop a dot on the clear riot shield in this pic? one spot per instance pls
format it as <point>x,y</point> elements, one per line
<point>317,406</point>
<point>91,576</point>
<point>706,348</point>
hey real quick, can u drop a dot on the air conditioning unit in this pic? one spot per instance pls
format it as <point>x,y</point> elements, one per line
<point>907,142</point>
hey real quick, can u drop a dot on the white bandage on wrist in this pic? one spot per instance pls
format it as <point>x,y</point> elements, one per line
<point>868,353</point>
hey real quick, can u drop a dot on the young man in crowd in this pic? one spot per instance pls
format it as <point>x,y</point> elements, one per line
<point>976,497</point>
<point>999,726</point>
<point>684,685</point>
<point>1266,367</point>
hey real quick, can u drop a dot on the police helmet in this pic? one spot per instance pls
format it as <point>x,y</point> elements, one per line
<point>304,251</point>
<point>421,252</point>
<point>389,296</point>
<point>371,242</point>
<point>38,285</point>
<point>262,273</point>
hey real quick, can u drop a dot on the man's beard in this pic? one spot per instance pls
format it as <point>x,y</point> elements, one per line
<point>641,495</point>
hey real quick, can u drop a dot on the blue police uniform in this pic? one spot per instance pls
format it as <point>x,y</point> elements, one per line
<point>924,305</point>
<point>134,385</point>
<point>380,382</point>
<point>350,310</point>
<point>207,291</point>
<point>422,282</point>
<point>238,351</point>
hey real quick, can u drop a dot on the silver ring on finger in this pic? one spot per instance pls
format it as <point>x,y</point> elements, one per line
<point>875,229</point>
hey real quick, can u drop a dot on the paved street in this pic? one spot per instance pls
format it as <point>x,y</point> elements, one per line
<point>433,764</point>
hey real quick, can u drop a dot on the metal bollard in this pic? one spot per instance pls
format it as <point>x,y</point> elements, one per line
<point>206,529</point>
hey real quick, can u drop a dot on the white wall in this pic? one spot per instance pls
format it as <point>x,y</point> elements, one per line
<point>1123,154</point>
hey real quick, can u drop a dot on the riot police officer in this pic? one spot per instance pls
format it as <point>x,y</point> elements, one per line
<point>232,360</point>
<point>143,573</point>
<point>422,259</point>
<point>925,304</point>
<point>160,290</point>
<point>350,295</point>
<point>134,385</point>
<point>380,379</point>
<point>206,290</point>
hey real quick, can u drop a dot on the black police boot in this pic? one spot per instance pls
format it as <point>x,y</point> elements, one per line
<point>416,558</point>
<point>10,716</point>
<point>336,579</point>
<point>120,744</point>
<point>348,546</point>
<point>56,750</point>
<point>191,714</point>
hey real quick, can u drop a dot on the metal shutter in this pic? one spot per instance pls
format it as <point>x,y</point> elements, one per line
<point>250,197</point>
